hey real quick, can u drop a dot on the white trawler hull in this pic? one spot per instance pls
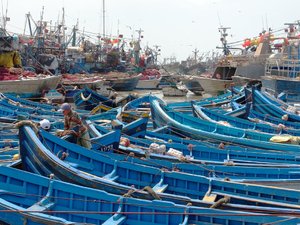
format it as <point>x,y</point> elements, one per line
<point>148,84</point>
<point>30,87</point>
<point>214,86</point>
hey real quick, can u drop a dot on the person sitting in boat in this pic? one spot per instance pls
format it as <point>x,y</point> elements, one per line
<point>74,126</point>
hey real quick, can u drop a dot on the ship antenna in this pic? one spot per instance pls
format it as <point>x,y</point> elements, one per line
<point>220,24</point>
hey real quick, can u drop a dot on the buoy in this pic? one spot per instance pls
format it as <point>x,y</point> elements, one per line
<point>16,157</point>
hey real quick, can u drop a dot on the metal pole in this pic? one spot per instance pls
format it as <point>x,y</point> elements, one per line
<point>103,19</point>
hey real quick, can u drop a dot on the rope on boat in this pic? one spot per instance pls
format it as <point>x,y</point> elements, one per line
<point>27,123</point>
<point>220,202</point>
<point>151,192</point>
<point>129,193</point>
<point>148,189</point>
<point>294,215</point>
<point>229,163</point>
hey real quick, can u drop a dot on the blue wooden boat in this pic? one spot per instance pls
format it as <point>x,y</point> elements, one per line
<point>249,172</point>
<point>139,103</point>
<point>206,101</point>
<point>27,109</point>
<point>211,101</point>
<point>198,152</point>
<point>8,152</point>
<point>88,99</point>
<point>253,115</point>
<point>265,105</point>
<point>136,128</point>
<point>240,112</point>
<point>100,117</point>
<point>135,109</point>
<point>40,200</point>
<point>16,110</point>
<point>94,170</point>
<point>12,100</point>
<point>198,129</point>
<point>29,103</point>
<point>9,144</point>
<point>17,114</point>
<point>216,117</point>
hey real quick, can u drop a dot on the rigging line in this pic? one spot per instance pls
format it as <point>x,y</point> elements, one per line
<point>88,200</point>
<point>295,215</point>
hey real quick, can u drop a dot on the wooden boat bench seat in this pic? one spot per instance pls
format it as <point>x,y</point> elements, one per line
<point>111,177</point>
<point>46,202</point>
<point>113,174</point>
<point>41,206</point>
<point>160,187</point>
<point>81,165</point>
<point>209,197</point>
<point>117,218</point>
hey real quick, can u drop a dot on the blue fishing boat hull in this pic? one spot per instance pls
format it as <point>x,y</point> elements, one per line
<point>30,199</point>
<point>266,105</point>
<point>88,99</point>
<point>216,117</point>
<point>198,129</point>
<point>115,176</point>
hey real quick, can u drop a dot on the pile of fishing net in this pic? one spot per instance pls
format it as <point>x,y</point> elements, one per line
<point>15,73</point>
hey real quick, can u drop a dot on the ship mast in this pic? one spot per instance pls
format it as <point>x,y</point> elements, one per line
<point>224,34</point>
<point>196,51</point>
<point>5,19</point>
<point>103,17</point>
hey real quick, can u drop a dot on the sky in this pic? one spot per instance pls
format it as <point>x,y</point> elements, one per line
<point>178,27</point>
